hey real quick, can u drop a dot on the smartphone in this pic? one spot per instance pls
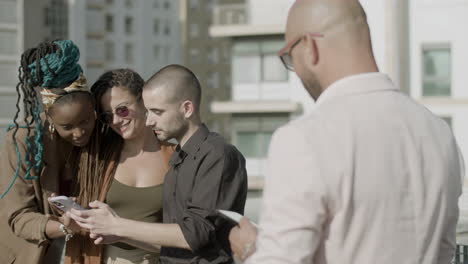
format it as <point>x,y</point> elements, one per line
<point>64,203</point>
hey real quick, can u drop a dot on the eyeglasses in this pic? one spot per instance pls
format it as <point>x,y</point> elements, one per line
<point>108,117</point>
<point>285,53</point>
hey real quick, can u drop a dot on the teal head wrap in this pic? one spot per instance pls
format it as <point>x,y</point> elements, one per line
<point>60,67</point>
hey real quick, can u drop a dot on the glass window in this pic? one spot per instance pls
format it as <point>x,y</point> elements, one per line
<point>109,23</point>
<point>193,4</point>
<point>273,69</point>
<point>194,30</point>
<point>156,51</point>
<point>213,80</point>
<point>167,5</point>
<point>194,56</point>
<point>110,51</point>
<point>156,26</point>
<point>156,4</point>
<point>128,3</point>
<point>213,55</point>
<point>436,71</point>
<point>129,57</point>
<point>128,25</point>
<point>246,69</point>
<point>254,144</point>
<point>167,29</point>
<point>257,62</point>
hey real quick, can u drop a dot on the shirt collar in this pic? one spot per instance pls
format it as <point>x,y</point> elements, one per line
<point>357,84</point>
<point>191,146</point>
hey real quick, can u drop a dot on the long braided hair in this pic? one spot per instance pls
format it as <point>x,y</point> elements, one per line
<point>52,64</point>
<point>100,158</point>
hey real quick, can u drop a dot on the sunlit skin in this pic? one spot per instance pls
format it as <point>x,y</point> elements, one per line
<point>166,118</point>
<point>131,126</point>
<point>74,121</point>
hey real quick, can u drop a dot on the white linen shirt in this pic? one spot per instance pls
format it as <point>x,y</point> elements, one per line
<point>370,176</point>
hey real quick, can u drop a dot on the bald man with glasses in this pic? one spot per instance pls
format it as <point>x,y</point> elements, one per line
<point>373,176</point>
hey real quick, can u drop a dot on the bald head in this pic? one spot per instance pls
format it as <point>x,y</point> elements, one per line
<point>329,17</point>
<point>177,83</point>
<point>342,49</point>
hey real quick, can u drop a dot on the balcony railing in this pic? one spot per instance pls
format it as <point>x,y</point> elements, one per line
<point>235,14</point>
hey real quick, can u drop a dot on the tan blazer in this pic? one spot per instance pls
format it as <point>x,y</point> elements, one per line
<point>23,210</point>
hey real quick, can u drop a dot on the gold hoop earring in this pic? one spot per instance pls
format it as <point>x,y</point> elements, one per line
<point>52,130</point>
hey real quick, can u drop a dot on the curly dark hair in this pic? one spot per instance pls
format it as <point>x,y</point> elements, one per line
<point>99,160</point>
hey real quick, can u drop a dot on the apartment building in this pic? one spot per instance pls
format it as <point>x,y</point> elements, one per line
<point>140,34</point>
<point>143,35</point>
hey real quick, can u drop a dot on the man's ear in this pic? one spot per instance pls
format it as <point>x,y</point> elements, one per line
<point>188,108</point>
<point>312,53</point>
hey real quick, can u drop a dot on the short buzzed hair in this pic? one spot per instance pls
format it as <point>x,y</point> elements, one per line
<point>182,81</point>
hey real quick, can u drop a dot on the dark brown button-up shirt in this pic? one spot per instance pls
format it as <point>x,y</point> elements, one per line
<point>206,174</point>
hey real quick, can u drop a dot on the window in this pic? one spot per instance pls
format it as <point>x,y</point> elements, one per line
<point>193,4</point>
<point>254,144</point>
<point>194,30</point>
<point>167,29</point>
<point>156,4</point>
<point>109,2</point>
<point>167,5</point>
<point>436,71</point>
<point>156,26</point>
<point>129,53</point>
<point>110,51</point>
<point>213,55</point>
<point>213,80</point>
<point>254,62</point>
<point>194,56</point>
<point>156,51</point>
<point>128,3</point>
<point>128,25</point>
<point>109,23</point>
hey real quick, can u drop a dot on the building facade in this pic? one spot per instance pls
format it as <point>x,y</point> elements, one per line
<point>143,35</point>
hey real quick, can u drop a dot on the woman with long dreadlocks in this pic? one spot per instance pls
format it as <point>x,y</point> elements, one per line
<point>36,158</point>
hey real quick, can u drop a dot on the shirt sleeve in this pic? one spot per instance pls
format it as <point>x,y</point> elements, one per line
<point>20,205</point>
<point>221,183</point>
<point>294,206</point>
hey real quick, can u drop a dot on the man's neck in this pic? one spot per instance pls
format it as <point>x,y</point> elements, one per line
<point>193,127</point>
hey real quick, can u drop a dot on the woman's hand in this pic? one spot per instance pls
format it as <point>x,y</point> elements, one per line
<point>101,221</point>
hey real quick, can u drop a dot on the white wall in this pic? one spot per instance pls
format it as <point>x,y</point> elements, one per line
<point>443,22</point>
<point>268,12</point>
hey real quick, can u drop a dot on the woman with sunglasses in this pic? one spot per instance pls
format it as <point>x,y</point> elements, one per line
<point>37,154</point>
<point>125,165</point>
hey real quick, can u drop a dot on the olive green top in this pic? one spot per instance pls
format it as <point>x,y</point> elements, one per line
<point>135,203</point>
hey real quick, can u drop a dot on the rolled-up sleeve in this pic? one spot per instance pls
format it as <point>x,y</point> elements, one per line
<point>221,183</point>
<point>20,205</point>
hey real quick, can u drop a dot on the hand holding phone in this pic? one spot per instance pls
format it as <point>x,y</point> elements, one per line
<point>64,203</point>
